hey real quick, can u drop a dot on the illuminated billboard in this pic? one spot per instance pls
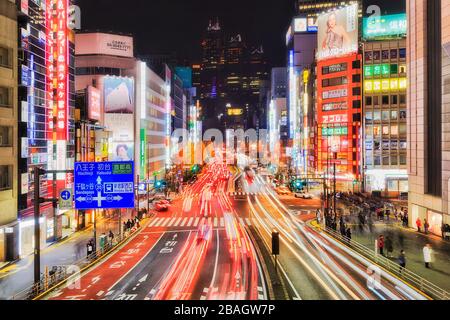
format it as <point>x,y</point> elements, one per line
<point>119,94</point>
<point>104,44</point>
<point>122,128</point>
<point>338,33</point>
<point>300,25</point>
<point>93,103</point>
<point>388,26</point>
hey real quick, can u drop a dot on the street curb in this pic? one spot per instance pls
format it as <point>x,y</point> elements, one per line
<point>9,263</point>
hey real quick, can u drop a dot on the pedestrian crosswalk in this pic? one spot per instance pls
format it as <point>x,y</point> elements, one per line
<point>217,222</point>
<point>190,222</point>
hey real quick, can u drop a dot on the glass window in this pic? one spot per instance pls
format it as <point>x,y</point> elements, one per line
<point>402,69</point>
<point>394,68</point>
<point>376,130</point>
<point>386,145</point>
<point>394,160</point>
<point>394,145</point>
<point>377,69</point>
<point>386,160</point>
<point>394,130</point>
<point>376,101</point>
<point>376,55</point>
<point>5,178</point>
<point>369,129</point>
<point>368,101</point>
<point>5,57</point>
<point>5,136</point>
<point>377,115</point>
<point>369,117</point>
<point>402,53</point>
<point>377,145</point>
<point>394,53</point>
<point>369,159</point>
<point>402,114</point>
<point>368,71</point>
<point>385,54</point>
<point>385,100</point>
<point>377,161</point>
<point>403,159</point>
<point>5,97</point>
<point>386,130</point>
<point>385,115</point>
<point>356,78</point>
<point>394,115</point>
<point>394,99</point>
<point>402,99</point>
<point>368,56</point>
<point>356,91</point>
<point>402,129</point>
<point>403,144</point>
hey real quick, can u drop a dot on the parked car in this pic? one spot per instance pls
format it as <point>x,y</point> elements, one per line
<point>303,195</point>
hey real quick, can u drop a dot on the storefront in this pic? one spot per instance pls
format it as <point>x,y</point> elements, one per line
<point>435,219</point>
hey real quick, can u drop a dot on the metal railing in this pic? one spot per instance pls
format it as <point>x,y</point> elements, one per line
<point>63,273</point>
<point>406,275</point>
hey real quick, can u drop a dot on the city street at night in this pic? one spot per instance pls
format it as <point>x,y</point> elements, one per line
<point>222,159</point>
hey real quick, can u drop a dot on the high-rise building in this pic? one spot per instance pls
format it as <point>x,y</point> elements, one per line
<point>428,96</point>
<point>9,188</point>
<point>385,104</point>
<point>46,123</point>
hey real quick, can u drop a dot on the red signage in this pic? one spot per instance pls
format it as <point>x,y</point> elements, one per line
<point>94,104</point>
<point>57,69</point>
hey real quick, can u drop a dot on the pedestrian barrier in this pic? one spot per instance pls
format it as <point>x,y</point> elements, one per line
<point>63,273</point>
<point>427,287</point>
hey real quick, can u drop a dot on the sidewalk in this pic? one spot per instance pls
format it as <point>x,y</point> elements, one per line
<point>19,275</point>
<point>412,242</point>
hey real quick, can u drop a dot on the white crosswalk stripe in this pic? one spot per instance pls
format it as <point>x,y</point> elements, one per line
<point>171,222</point>
<point>158,222</point>
<point>154,222</point>
<point>197,220</point>
<point>183,222</point>
<point>177,223</point>
<point>190,222</point>
<point>166,220</point>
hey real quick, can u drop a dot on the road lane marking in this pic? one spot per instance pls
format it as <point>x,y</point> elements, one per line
<point>166,220</point>
<point>154,222</point>
<point>183,222</point>
<point>191,219</point>
<point>197,220</point>
<point>158,222</point>
<point>177,223</point>
<point>171,222</point>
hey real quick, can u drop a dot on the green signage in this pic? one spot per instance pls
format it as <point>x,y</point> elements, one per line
<point>385,69</point>
<point>388,26</point>
<point>143,158</point>
<point>337,131</point>
<point>368,71</point>
<point>125,168</point>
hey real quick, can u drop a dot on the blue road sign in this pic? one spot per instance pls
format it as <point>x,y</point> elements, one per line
<point>65,195</point>
<point>104,185</point>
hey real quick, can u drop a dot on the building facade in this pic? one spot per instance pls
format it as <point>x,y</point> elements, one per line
<point>9,188</point>
<point>428,96</point>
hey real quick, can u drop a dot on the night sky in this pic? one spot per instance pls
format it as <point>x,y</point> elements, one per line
<point>178,25</point>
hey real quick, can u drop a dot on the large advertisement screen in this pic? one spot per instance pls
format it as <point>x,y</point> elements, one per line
<point>388,26</point>
<point>119,94</point>
<point>94,103</point>
<point>338,33</point>
<point>122,128</point>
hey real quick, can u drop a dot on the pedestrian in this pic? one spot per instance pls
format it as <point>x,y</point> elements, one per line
<point>124,226</point>
<point>90,248</point>
<point>348,234</point>
<point>381,244</point>
<point>426,226</point>
<point>129,224</point>
<point>111,237</point>
<point>427,252</point>
<point>388,214</point>
<point>405,219</point>
<point>418,224</point>
<point>402,260</point>
<point>389,247</point>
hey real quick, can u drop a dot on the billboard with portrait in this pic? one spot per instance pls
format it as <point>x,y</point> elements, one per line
<point>119,94</point>
<point>338,33</point>
<point>122,145</point>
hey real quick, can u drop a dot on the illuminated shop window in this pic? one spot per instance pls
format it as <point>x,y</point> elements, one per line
<point>368,85</point>
<point>394,84</point>
<point>377,85</point>
<point>385,85</point>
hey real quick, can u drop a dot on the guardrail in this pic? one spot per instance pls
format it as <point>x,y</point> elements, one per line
<point>63,273</point>
<point>406,275</point>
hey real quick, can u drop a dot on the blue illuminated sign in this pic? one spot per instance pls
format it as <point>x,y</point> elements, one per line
<point>104,185</point>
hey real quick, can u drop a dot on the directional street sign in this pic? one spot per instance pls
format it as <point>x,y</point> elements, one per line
<point>104,185</point>
<point>66,199</point>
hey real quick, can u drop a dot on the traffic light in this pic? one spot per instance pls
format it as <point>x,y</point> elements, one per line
<point>195,168</point>
<point>298,184</point>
